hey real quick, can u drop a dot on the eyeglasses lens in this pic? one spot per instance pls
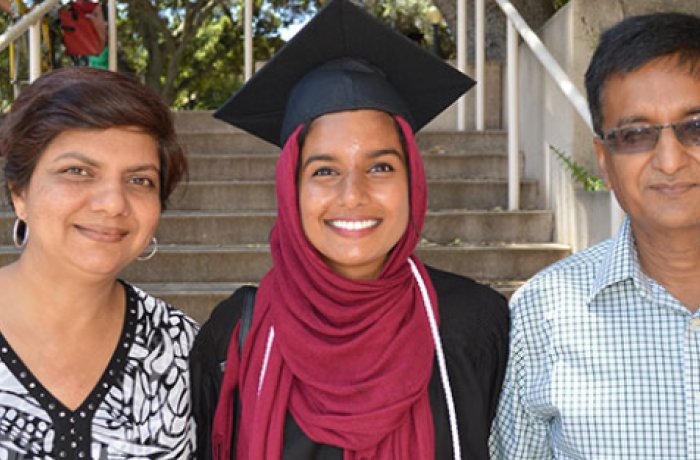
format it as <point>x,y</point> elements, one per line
<point>688,132</point>
<point>637,139</point>
<point>633,139</point>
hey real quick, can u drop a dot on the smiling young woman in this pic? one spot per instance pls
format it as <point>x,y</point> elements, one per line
<point>355,349</point>
<point>353,190</point>
<point>90,161</point>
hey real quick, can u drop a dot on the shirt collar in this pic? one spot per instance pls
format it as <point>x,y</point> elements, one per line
<point>621,263</point>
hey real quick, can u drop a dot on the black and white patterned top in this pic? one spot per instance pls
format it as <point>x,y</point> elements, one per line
<point>139,409</point>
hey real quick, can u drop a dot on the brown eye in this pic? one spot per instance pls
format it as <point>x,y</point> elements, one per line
<point>325,171</point>
<point>143,182</point>
<point>382,168</point>
<point>76,171</point>
<point>688,132</point>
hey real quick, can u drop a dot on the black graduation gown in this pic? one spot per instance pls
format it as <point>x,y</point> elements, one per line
<point>474,323</point>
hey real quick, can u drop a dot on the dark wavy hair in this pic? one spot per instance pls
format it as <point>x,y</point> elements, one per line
<point>85,98</point>
<point>635,41</point>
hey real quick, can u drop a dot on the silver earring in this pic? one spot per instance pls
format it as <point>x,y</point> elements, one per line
<point>154,243</point>
<point>20,241</point>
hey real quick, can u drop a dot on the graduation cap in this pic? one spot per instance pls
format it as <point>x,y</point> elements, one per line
<point>343,59</point>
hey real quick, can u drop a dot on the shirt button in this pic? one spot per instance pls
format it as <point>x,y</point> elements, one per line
<point>695,324</point>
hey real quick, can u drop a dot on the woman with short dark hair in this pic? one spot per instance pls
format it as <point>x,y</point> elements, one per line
<point>90,366</point>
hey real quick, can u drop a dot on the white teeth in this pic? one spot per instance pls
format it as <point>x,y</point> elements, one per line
<point>354,224</point>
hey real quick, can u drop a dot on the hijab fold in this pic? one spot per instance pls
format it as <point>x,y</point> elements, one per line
<point>351,359</point>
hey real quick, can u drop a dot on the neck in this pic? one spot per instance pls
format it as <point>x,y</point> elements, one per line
<point>672,258</point>
<point>55,301</point>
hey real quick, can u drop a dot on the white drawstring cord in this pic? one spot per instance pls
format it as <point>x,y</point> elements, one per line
<point>441,361</point>
<point>268,349</point>
<point>452,414</point>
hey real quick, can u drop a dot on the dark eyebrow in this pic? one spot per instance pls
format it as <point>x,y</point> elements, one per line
<point>640,119</point>
<point>372,155</point>
<point>382,152</point>
<point>89,161</point>
<point>144,167</point>
<point>75,156</point>
<point>319,157</point>
<point>631,120</point>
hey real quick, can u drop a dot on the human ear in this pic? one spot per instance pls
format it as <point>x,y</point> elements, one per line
<point>603,158</point>
<point>18,201</point>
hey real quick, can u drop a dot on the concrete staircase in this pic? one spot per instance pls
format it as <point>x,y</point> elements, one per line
<point>213,237</point>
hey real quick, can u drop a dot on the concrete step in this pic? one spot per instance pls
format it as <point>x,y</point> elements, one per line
<point>441,227</point>
<point>250,227</point>
<point>240,263</point>
<point>193,121</point>
<point>260,195</point>
<point>198,121</point>
<point>231,142</point>
<point>198,299</point>
<point>262,166</point>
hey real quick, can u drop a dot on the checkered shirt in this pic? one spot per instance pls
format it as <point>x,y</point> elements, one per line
<point>604,364</point>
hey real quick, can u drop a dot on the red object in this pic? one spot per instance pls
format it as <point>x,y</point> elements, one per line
<point>79,34</point>
<point>351,360</point>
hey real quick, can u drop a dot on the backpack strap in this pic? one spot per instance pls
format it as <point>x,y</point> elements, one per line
<point>246,314</point>
<point>248,293</point>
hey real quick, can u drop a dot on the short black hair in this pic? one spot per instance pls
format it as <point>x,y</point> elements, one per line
<point>635,41</point>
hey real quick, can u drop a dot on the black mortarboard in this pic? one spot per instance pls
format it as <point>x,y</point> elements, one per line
<point>343,59</point>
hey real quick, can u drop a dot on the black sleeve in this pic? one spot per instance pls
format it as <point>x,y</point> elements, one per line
<point>474,328</point>
<point>207,361</point>
<point>494,373</point>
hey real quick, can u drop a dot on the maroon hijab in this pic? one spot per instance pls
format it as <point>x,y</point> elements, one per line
<point>350,360</point>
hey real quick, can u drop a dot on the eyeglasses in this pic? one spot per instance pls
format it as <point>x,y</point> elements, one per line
<point>637,139</point>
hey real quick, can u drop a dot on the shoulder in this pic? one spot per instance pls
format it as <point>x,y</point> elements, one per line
<point>563,283</point>
<point>154,316</point>
<point>226,314</point>
<point>213,339</point>
<point>468,308</point>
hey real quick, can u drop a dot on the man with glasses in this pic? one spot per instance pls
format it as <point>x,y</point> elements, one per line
<point>605,345</point>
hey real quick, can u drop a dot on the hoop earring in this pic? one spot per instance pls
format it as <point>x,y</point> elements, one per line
<point>20,242</point>
<point>154,242</point>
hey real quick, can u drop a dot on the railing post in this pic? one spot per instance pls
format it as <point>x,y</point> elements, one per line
<point>513,122</point>
<point>248,39</point>
<point>479,58</point>
<point>112,34</point>
<point>547,151</point>
<point>461,59</point>
<point>35,15</point>
<point>560,77</point>
<point>35,51</point>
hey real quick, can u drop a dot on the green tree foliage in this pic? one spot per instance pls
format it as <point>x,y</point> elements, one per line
<point>410,17</point>
<point>191,52</point>
<point>557,4</point>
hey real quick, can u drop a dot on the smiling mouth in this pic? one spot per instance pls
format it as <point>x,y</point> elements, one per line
<point>674,189</point>
<point>102,234</point>
<point>353,225</point>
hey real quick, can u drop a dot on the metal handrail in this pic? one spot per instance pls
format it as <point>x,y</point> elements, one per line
<point>31,22</point>
<point>560,77</point>
<point>29,19</point>
<point>562,80</point>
